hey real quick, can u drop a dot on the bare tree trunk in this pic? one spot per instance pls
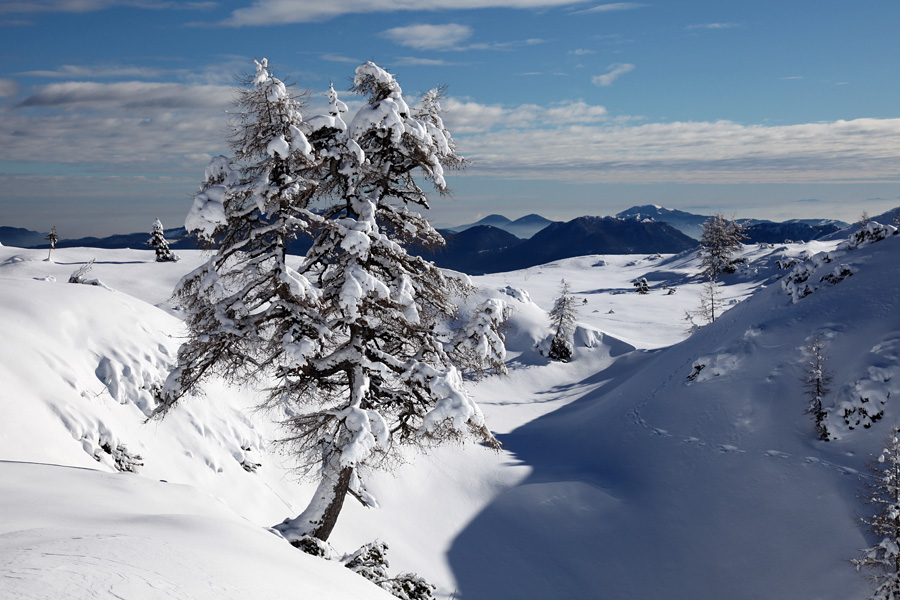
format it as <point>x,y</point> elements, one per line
<point>320,517</point>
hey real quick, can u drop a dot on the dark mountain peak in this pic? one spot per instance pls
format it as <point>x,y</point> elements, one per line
<point>495,220</point>
<point>532,219</point>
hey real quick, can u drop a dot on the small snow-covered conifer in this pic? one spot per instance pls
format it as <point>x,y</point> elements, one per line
<point>479,346</point>
<point>350,341</point>
<point>882,560</point>
<point>641,286</point>
<point>52,237</point>
<point>816,382</point>
<point>720,239</point>
<point>159,243</point>
<point>562,322</point>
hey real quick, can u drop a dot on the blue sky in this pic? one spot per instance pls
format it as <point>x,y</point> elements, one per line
<point>109,109</point>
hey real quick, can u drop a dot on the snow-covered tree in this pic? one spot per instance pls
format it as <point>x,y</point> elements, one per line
<point>479,346</point>
<point>641,286</point>
<point>816,382</point>
<point>883,522</point>
<point>709,308</point>
<point>52,237</point>
<point>720,239</point>
<point>159,243</point>
<point>562,322</point>
<point>351,340</point>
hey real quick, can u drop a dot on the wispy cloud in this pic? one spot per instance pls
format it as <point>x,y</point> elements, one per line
<point>339,59</point>
<point>610,7</point>
<point>412,61</point>
<point>83,6</point>
<point>96,72</point>
<point>615,72</point>
<point>713,26</point>
<point>274,12</point>
<point>429,37</point>
<point>791,77</point>
<point>582,52</point>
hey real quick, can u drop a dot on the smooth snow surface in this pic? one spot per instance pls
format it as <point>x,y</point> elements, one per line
<point>622,476</point>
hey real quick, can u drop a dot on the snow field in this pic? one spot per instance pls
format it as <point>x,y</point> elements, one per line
<point>620,477</point>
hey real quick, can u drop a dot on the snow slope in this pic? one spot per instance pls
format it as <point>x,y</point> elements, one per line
<point>67,532</point>
<point>657,485</point>
<point>620,477</point>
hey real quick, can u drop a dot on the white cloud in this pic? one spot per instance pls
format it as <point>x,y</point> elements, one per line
<point>130,95</point>
<point>429,37</point>
<point>615,72</point>
<point>862,150</point>
<point>472,117</point>
<point>8,88</point>
<point>714,26</point>
<point>273,12</point>
<point>582,52</point>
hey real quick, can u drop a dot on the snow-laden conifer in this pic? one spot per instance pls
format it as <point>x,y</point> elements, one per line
<point>882,560</point>
<point>351,340</point>
<point>720,239</point>
<point>52,237</point>
<point>479,346</point>
<point>816,381</point>
<point>562,322</point>
<point>159,243</point>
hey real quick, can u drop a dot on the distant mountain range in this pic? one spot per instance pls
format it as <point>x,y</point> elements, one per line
<point>487,249</point>
<point>496,243</point>
<point>523,227</point>
<point>687,223</point>
<point>758,231</point>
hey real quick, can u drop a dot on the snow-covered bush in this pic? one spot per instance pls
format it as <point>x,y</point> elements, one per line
<point>371,562</point>
<point>479,345</point>
<point>641,286</point>
<point>882,559</point>
<point>868,233</point>
<point>80,275</point>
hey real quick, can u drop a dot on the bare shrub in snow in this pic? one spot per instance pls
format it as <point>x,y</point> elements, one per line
<point>708,310</point>
<point>882,560</point>
<point>80,275</point>
<point>350,341</point>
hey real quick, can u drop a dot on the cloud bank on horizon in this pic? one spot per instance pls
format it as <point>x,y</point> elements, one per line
<point>109,109</point>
